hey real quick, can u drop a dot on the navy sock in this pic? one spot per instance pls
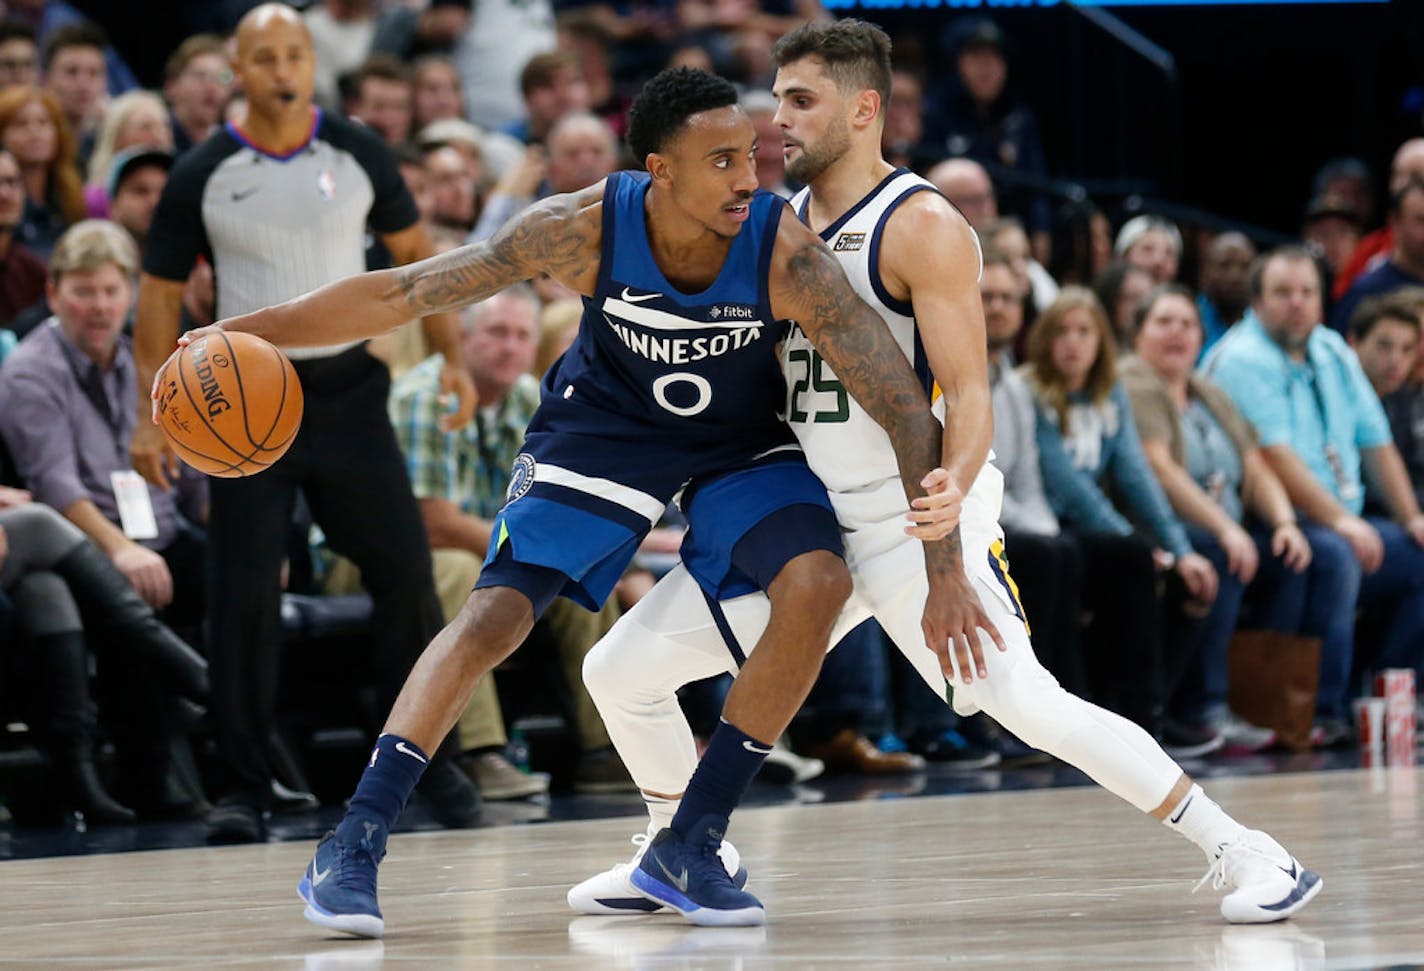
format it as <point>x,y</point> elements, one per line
<point>727,767</point>
<point>395,767</point>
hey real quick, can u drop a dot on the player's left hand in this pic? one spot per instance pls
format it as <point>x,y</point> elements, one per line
<point>953,620</point>
<point>935,515</point>
<point>456,388</point>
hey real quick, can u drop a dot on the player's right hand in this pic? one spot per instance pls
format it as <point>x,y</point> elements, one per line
<point>953,620</point>
<point>152,456</point>
<point>147,572</point>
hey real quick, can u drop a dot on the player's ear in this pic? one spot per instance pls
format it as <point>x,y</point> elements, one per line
<point>657,166</point>
<point>867,107</point>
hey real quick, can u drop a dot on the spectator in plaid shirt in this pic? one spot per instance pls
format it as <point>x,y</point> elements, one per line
<point>460,479</point>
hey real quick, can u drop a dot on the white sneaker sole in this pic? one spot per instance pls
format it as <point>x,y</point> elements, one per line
<point>357,925</point>
<point>695,913</point>
<point>1306,890</point>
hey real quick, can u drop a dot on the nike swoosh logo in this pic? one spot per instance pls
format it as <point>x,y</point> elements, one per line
<point>752,748</point>
<point>319,875</point>
<point>679,880</point>
<point>404,750</point>
<point>239,196</point>
<point>1178,818</point>
<point>1292,873</point>
<point>630,298</point>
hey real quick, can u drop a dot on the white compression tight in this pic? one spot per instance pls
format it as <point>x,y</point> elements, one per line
<point>670,639</point>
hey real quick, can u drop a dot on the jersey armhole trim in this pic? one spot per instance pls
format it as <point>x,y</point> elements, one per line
<point>768,246</point>
<point>902,307</point>
<point>605,256</point>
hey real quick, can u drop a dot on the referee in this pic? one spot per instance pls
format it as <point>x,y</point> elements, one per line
<point>279,204</point>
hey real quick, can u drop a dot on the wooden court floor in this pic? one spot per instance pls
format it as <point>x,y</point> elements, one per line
<point>1063,878</point>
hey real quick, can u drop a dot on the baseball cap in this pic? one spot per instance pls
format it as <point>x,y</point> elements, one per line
<point>973,32</point>
<point>131,159</point>
<point>1331,204</point>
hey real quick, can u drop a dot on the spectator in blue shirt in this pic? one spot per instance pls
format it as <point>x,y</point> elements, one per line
<point>1322,429</point>
<point>1237,512</point>
<point>1088,446</point>
<point>1405,266</point>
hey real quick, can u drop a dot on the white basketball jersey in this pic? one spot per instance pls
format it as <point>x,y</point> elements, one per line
<point>844,445</point>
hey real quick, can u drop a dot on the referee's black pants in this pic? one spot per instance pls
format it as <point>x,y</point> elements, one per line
<point>346,461</point>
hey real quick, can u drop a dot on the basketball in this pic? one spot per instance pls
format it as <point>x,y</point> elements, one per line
<point>230,404</point>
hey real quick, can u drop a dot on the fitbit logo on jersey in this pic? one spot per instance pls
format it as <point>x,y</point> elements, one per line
<point>733,311</point>
<point>203,365</point>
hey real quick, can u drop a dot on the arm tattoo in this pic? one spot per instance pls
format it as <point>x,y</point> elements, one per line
<point>865,357</point>
<point>548,237</point>
<point>860,349</point>
<point>945,556</point>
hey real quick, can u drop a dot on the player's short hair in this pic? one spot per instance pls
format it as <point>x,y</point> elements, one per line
<point>856,53</point>
<point>667,101</point>
<point>1388,306</point>
<point>80,33</point>
<point>540,69</point>
<point>93,243</point>
<point>192,48</point>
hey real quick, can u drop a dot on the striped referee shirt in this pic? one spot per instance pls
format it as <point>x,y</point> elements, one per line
<point>277,226</point>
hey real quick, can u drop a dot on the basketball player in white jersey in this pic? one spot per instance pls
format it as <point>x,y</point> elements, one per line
<point>912,256</point>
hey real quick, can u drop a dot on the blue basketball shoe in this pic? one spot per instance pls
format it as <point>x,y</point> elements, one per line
<point>339,885</point>
<point>689,877</point>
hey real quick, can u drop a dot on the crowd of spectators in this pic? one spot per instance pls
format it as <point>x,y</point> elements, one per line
<point>1184,459</point>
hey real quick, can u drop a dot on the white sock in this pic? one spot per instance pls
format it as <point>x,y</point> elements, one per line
<point>660,812</point>
<point>1203,822</point>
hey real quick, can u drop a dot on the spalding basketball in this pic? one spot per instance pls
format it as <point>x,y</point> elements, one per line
<point>230,403</point>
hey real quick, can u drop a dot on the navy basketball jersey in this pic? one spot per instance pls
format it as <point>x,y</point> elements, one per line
<point>687,369</point>
<point>659,387</point>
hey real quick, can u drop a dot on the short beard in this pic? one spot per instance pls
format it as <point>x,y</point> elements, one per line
<point>810,165</point>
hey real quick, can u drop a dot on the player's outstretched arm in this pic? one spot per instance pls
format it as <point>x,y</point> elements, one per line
<point>559,236</point>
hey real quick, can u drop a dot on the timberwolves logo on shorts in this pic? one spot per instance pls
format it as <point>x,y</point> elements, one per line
<point>521,477</point>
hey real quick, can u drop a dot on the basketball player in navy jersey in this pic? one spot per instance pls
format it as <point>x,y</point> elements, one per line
<point>685,270</point>
<point>913,257</point>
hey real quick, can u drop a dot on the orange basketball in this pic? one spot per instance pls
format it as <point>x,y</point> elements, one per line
<point>230,403</point>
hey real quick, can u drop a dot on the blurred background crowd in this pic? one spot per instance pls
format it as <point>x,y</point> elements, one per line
<point>1212,433</point>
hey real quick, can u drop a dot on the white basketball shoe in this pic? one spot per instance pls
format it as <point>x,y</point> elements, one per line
<point>612,891</point>
<point>1267,884</point>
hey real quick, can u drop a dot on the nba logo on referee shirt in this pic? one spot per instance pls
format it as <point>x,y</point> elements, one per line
<point>521,477</point>
<point>326,185</point>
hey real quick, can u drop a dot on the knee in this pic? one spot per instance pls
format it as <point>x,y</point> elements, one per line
<point>492,623</point>
<point>607,668</point>
<point>818,583</point>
